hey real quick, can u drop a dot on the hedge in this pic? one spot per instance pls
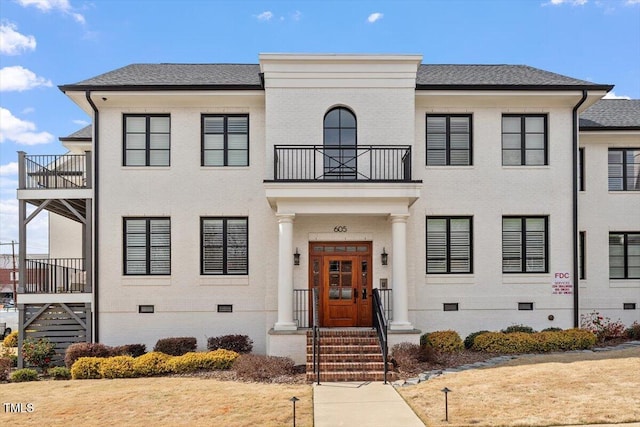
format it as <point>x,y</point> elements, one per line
<point>522,342</point>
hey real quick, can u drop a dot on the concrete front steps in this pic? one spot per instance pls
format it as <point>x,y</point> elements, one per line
<point>347,355</point>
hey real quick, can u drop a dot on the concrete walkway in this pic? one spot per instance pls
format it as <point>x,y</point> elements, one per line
<point>355,404</point>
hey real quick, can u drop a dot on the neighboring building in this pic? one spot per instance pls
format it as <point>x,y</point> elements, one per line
<point>213,197</point>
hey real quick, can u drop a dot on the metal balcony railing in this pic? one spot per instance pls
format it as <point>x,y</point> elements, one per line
<point>54,171</point>
<point>380,163</point>
<point>55,276</point>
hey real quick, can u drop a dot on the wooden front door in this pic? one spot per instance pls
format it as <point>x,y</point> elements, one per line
<point>342,273</point>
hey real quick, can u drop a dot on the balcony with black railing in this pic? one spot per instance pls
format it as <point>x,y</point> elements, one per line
<point>67,171</point>
<point>55,276</point>
<point>357,163</point>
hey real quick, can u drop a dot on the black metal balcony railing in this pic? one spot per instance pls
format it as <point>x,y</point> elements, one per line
<point>54,171</point>
<point>55,276</point>
<point>383,163</point>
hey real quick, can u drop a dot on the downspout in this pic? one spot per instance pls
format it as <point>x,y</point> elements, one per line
<point>96,229</point>
<point>576,271</point>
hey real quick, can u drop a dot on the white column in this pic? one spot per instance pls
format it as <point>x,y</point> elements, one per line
<point>399,276</point>
<point>285,274</point>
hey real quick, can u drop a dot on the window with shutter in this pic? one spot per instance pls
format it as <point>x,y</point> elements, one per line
<point>448,140</point>
<point>524,245</point>
<point>147,140</point>
<point>624,169</point>
<point>449,245</point>
<point>224,246</point>
<point>225,140</point>
<point>147,246</point>
<point>624,255</point>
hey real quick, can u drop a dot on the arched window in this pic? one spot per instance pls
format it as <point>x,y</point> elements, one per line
<point>340,140</point>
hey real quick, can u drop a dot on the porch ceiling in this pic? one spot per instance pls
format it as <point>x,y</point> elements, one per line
<point>342,198</point>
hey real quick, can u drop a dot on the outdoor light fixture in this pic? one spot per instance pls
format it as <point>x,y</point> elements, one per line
<point>294,400</point>
<point>446,403</point>
<point>384,257</point>
<point>296,258</point>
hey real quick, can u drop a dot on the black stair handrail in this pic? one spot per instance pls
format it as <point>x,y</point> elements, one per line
<point>380,323</point>
<point>316,335</point>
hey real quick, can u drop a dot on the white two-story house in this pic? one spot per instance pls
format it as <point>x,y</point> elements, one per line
<point>213,199</point>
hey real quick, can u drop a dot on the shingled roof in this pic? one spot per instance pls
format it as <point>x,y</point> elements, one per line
<point>612,114</point>
<point>247,76</point>
<point>84,134</point>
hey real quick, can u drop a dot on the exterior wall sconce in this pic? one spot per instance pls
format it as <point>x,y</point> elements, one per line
<point>296,258</point>
<point>384,257</point>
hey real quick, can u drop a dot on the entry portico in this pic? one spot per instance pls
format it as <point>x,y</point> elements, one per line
<point>388,200</point>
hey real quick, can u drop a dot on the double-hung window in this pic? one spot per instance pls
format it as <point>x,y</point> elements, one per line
<point>147,140</point>
<point>524,140</point>
<point>147,246</point>
<point>225,140</point>
<point>624,169</point>
<point>449,245</point>
<point>448,139</point>
<point>524,244</point>
<point>624,255</point>
<point>224,246</point>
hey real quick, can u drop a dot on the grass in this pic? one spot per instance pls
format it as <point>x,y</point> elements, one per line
<point>545,390</point>
<point>175,401</point>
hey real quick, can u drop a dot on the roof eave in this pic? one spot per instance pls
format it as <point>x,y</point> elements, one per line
<point>138,88</point>
<point>606,88</point>
<point>608,128</point>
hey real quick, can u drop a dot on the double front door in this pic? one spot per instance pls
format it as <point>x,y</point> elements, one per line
<point>341,272</point>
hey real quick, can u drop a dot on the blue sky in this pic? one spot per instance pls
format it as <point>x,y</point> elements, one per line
<point>46,43</point>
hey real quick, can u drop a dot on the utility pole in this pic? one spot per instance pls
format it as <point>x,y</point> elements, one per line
<point>15,289</point>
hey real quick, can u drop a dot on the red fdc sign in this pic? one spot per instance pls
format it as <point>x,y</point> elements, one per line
<point>562,283</point>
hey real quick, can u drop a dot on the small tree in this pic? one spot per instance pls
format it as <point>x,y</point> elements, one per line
<point>39,353</point>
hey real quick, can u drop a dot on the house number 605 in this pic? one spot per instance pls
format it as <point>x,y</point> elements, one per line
<point>340,229</point>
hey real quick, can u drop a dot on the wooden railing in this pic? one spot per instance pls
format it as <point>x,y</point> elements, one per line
<point>380,163</point>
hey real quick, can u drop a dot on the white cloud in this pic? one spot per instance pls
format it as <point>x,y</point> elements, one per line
<point>612,95</point>
<point>375,17</point>
<point>20,131</point>
<point>265,16</point>
<point>17,78</point>
<point>81,122</point>
<point>49,5</point>
<point>571,2</point>
<point>629,2</point>
<point>9,169</point>
<point>28,110</point>
<point>12,42</point>
<point>297,15</point>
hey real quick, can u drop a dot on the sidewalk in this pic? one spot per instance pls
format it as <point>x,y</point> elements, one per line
<point>354,404</point>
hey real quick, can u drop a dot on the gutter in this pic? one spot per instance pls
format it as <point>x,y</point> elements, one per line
<point>576,271</point>
<point>96,181</point>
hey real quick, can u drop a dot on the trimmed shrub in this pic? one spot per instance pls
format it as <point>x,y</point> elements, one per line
<point>523,342</point>
<point>117,367</point>
<point>23,375</point>
<point>176,346</point>
<point>237,343</point>
<point>444,341</point>
<point>151,364</point>
<point>518,328</point>
<point>85,349</point>
<point>11,340</point>
<point>552,329</point>
<point>468,341</point>
<point>5,367</point>
<point>193,362</point>
<point>133,350</point>
<point>633,331</point>
<point>86,368</point>
<point>60,373</point>
<point>258,367</point>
